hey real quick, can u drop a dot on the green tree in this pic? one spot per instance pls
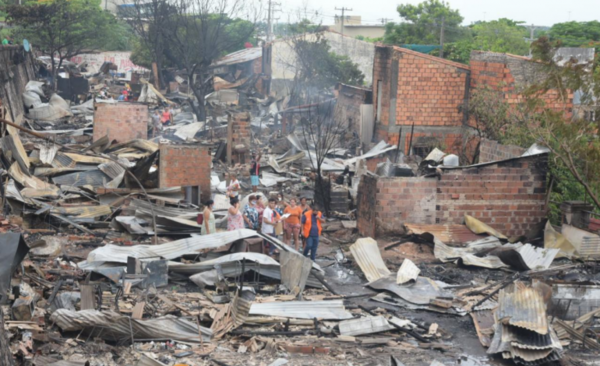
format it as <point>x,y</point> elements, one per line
<point>282,30</point>
<point>573,142</point>
<point>502,35</point>
<point>575,34</point>
<point>318,69</point>
<point>120,37</point>
<point>423,24</point>
<point>61,28</point>
<point>200,32</point>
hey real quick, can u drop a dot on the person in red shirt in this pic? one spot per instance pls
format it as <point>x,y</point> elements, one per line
<point>166,117</point>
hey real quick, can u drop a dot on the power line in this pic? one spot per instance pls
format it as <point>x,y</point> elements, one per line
<point>343,10</point>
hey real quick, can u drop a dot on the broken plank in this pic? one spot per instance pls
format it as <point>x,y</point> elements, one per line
<point>138,310</point>
<point>87,297</point>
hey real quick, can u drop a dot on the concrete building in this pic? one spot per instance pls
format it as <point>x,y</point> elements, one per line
<point>280,55</point>
<point>353,27</point>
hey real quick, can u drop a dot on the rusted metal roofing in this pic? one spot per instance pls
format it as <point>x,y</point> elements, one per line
<point>366,253</point>
<point>450,234</point>
<point>118,326</point>
<point>522,306</point>
<point>238,57</point>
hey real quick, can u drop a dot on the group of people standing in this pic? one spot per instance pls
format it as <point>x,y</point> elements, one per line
<point>300,224</point>
<point>295,222</point>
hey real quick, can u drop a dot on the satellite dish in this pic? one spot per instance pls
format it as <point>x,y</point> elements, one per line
<point>26,45</point>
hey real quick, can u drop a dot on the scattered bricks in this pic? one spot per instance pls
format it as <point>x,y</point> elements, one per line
<point>185,165</point>
<point>122,122</point>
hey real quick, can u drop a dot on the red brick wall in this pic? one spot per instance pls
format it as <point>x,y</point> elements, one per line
<point>240,135</point>
<point>185,165</point>
<point>121,121</point>
<point>490,150</point>
<point>511,74</point>
<point>384,204</point>
<point>509,196</point>
<point>240,129</point>
<point>431,90</point>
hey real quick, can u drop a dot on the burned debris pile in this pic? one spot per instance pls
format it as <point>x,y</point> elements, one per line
<point>134,233</point>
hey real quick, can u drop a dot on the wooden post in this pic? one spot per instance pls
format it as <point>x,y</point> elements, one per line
<point>283,124</point>
<point>229,139</point>
<point>156,78</point>
<point>6,358</point>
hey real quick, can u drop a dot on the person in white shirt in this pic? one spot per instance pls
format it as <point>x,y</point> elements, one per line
<point>270,218</point>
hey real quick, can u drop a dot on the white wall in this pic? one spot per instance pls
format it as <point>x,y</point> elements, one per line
<point>360,52</point>
<point>95,60</point>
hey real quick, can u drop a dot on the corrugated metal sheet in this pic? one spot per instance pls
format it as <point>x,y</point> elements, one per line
<point>368,325</point>
<point>484,325</point>
<point>94,178</point>
<point>194,268</point>
<point>408,271</point>
<point>507,341</point>
<point>83,211</point>
<point>479,227</point>
<point>112,169</point>
<point>228,270</point>
<point>366,253</point>
<point>522,306</point>
<point>47,153</point>
<point>238,57</point>
<point>451,234</point>
<point>528,257</point>
<point>118,327</point>
<point>172,250</point>
<point>421,292</point>
<point>332,310</point>
<point>570,302</point>
<point>143,207</point>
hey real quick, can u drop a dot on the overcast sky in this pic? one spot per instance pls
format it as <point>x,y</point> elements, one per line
<point>538,12</point>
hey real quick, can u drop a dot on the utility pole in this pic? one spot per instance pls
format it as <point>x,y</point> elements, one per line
<point>384,21</point>
<point>269,22</point>
<point>271,11</point>
<point>344,10</point>
<point>531,39</point>
<point>442,38</point>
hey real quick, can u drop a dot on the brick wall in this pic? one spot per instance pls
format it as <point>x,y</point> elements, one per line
<point>239,134</point>
<point>509,196</point>
<point>185,165</point>
<point>490,150</point>
<point>384,204</point>
<point>512,74</point>
<point>427,91</point>
<point>121,121</point>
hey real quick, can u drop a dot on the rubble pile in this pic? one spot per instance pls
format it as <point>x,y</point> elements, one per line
<point>106,260</point>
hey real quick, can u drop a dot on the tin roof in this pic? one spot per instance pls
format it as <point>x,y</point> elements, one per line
<point>238,57</point>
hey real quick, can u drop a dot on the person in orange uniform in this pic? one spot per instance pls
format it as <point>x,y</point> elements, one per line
<point>291,226</point>
<point>311,229</point>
